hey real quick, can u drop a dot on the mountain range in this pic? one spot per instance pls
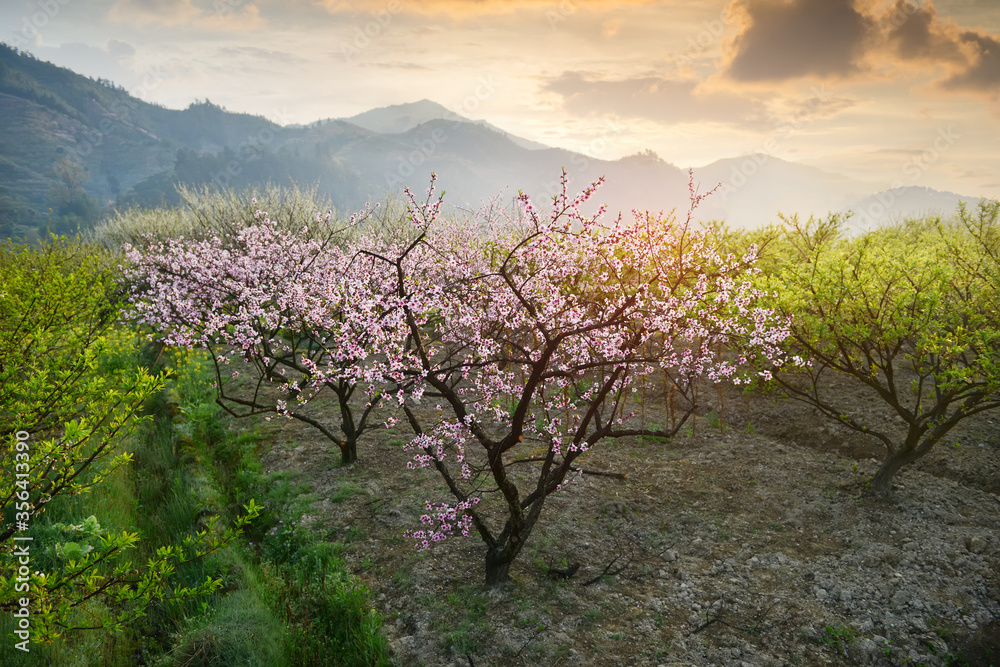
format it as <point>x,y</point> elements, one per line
<point>76,147</point>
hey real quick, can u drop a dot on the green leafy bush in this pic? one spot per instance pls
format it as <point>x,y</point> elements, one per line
<point>909,313</point>
<point>71,392</point>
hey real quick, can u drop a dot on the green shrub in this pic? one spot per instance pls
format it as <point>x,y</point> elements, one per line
<point>910,314</point>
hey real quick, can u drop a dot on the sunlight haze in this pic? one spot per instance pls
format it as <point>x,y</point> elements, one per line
<point>863,88</point>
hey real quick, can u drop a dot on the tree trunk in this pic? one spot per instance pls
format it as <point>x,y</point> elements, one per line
<point>349,445</point>
<point>502,556</point>
<point>498,562</point>
<point>348,451</point>
<point>882,481</point>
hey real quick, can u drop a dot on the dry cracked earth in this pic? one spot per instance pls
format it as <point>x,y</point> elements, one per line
<point>749,539</point>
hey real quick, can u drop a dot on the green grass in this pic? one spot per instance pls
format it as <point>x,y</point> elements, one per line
<point>302,607</point>
<point>241,631</point>
<point>288,600</point>
<point>344,492</point>
<point>460,618</point>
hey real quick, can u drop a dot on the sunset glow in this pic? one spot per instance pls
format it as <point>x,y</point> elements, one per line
<point>858,87</point>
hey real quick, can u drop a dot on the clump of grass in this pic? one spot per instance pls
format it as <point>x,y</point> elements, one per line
<point>304,607</point>
<point>241,632</point>
<point>326,611</point>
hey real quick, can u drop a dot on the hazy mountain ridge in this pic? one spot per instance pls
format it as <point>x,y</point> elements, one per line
<point>401,118</point>
<point>890,204</point>
<point>79,145</point>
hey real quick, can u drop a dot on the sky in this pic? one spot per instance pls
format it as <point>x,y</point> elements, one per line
<point>885,91</point>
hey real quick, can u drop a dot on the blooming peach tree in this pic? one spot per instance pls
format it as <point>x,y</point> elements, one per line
<point>512,342</point>
<point>531,331</point>
<point>304,315</point>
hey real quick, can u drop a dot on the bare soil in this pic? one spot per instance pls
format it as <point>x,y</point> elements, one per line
<point>748,540</point>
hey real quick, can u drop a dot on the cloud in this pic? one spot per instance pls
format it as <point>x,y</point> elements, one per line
<point>983,73</point>
<point>917,34</point>
<point>397,65</point>
<point>461,8</point>
<point>783,40</point>
<point>898,152</point>
<point>656,98</point>
<point>821,104</point>
<point>917,37</point>
<point>227,62</point>
<point>165,12</point>
<point>120,50</point>
<point>787,40</point>
<point>228,15</point>
<point>259,55</point>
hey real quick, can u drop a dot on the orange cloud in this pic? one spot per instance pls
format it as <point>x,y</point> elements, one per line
<point>660,99</point>
<point>917,34</point>
<point>971,57</point>
<point>803,38</point>
<point>788,40</point>
<point>983,73</point>
<point>463,8</point>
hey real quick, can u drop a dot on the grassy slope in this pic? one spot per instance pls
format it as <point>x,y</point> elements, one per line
<point>286,598</point>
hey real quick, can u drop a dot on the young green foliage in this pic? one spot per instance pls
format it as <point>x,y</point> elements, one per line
<point>57,324</point>
<point>69,401</point>
<point>908,312</point>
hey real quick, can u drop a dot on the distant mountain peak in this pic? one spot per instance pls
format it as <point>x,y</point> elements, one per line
<point>423,106</point>
<point>145,149</point>
<point>647,156</point>
<point>399,118</point>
